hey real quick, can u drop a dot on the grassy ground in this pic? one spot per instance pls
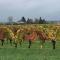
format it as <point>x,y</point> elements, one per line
<point>8,52</point>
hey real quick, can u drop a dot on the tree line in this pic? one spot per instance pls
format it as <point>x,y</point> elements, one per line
<point>23,20</point>
<point>28,21</point>
<point>40,20</point>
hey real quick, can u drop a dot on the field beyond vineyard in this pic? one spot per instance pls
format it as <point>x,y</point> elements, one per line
<point>8,52</point>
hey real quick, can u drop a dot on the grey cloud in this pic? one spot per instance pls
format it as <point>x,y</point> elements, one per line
<point>49,9</point>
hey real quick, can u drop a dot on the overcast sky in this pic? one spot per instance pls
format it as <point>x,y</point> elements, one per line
<point>48,9</point>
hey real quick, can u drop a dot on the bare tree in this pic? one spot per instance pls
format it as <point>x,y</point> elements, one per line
<point>10,19</point>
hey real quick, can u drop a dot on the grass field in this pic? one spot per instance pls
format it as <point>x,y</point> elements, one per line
<point>8,52</point>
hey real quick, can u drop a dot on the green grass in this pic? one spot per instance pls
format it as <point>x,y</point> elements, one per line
<point>8,52</point>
